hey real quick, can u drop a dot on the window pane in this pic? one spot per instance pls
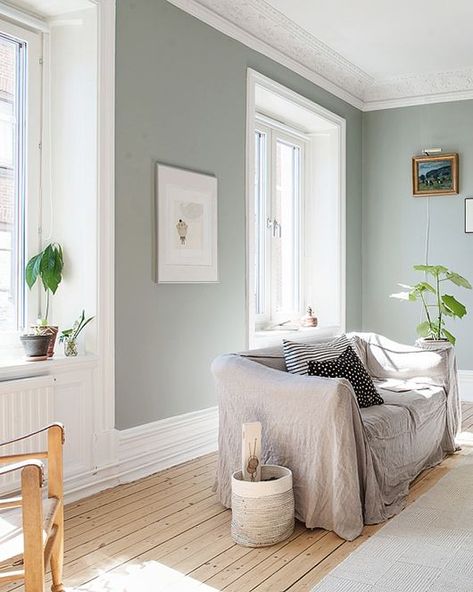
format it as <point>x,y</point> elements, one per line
<point>285,272</point>
<point>12,91</point>
<point>260,220</point>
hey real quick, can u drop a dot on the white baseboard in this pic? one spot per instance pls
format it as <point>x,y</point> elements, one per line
<point>466,384</point>
<point>146,449</point>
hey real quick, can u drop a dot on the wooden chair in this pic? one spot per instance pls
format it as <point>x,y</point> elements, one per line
<point>32,527</point>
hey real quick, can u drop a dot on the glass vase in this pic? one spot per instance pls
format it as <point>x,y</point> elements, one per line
<point>70,347</point>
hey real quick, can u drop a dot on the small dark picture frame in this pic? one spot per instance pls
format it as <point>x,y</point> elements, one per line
<point>469,215</point>
<point>435,175</point>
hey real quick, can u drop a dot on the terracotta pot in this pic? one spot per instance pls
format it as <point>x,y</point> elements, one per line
<point>47,330</point>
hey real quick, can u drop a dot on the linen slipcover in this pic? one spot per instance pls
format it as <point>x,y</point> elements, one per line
<point>351,467</point>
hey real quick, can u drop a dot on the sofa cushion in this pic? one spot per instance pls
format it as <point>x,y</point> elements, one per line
<point>298,355</point>
<point>349,366</point>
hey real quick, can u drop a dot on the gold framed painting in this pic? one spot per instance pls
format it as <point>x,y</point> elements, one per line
<point>435,175</point>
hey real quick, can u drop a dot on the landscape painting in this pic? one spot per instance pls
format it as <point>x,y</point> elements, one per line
<point>435,175</point>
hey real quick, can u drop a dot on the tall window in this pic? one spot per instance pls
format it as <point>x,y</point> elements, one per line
<point>279,192</point>
<point>12,181</point>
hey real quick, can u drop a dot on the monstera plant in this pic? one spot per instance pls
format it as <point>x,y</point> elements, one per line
<point>437,304</point>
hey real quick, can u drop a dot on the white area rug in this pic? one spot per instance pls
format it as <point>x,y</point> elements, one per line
<point>426,548</point>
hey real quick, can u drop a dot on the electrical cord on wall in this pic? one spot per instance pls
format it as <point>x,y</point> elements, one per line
<point>427,246</point>
<point>427,233</point>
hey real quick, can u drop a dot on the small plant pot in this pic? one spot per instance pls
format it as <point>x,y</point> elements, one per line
<point>263,511</point>
<point>49,330</point>
<point>36,346</point>
<point>433,344</point>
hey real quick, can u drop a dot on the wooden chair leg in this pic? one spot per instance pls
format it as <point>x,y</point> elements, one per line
<point>57,557</point>
<point>55,489</point>
<point>31,479</point>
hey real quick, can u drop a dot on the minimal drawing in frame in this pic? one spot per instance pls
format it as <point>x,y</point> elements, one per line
<point>435,175</point>
<point>469,214</point>
<point>186,225</point>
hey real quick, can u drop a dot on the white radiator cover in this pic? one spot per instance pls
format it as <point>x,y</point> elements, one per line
<point>26,405</point>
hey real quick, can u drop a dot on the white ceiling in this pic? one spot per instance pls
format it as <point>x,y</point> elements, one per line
<point>49,8</point>
<point>390,38</point>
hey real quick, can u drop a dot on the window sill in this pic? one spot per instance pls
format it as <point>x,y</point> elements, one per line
<point>268,338</point>
<point>17,368</point>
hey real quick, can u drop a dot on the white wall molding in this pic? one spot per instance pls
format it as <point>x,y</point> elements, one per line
<point>23,17</point>
<point>258,25</point>
<point>104,412</point>
<point>155,446</point>
<point>466,384</point>
<point>271,50</point>
<point>146,449</point>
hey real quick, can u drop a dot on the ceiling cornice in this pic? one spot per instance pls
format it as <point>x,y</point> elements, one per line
<point>263,28</point>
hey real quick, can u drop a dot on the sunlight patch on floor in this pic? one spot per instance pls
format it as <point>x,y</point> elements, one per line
<point>147,576</point>
<point>465,439</point>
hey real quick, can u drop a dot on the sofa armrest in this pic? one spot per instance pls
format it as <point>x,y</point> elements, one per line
<point>388,359</point>
<point>310,424</point>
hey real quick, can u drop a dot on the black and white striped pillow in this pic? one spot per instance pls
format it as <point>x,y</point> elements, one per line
<point>298,355</point>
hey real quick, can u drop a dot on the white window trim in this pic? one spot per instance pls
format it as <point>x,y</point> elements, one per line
<point>254,79</point>
<point>276,130</point>
<point>33,131</point>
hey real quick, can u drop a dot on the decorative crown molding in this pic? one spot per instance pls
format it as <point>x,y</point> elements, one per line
<point>258,25</point>
<point>416,89</point>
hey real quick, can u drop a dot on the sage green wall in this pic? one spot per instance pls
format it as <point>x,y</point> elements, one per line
<point>181,100</point>
<point>394,222</point>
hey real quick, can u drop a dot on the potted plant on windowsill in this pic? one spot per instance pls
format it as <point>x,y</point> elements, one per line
<point>47,266</point>
<point>69,336</point>
<point>437,305</point>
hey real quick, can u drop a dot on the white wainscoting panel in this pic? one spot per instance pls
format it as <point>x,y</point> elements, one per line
<point>73,406</point>
<point>26,405</point>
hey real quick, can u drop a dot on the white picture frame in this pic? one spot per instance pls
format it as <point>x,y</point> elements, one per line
<point>469,215</point>
<point>187,226</point>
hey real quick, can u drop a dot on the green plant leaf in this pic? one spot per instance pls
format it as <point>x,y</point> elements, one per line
<point>424,329</point>
<point>51,267</point>
<point>432,269</point>
<point>446,311</point>
<point>459,280</point>
<point>425,287</point>
<point>32,270</point>
<point>449,336</point>
<point>457,308</point>
<point>404,296</point>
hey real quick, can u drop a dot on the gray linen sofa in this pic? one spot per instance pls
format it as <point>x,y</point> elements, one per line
<point>351,466</point>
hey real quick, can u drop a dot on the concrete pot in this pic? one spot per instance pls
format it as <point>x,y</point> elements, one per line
<point>36,346</point>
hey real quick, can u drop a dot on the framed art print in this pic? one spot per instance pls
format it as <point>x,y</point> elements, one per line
<point>469,214</point>
<point>435,175</point>
<point>186,226</point>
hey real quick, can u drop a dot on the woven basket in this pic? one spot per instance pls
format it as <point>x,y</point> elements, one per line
<point>263,511</point>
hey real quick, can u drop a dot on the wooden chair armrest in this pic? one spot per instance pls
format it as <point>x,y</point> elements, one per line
<point>26,436</point>
<point>22,465</point>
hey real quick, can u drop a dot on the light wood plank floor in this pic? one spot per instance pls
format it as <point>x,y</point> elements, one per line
<point>167,532</point>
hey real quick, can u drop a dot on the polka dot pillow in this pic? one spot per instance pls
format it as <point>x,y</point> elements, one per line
<point>348,365</point>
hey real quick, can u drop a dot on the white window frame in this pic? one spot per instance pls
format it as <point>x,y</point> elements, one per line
<point>254,335</point>
<point>274,132</point>
<point>32,142</point>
